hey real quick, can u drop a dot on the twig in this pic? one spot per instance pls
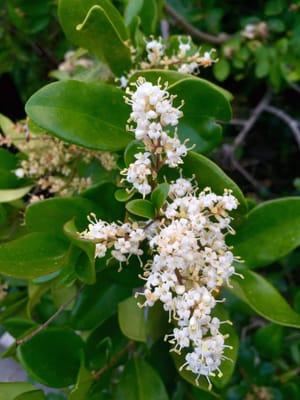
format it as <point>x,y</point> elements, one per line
<point>295,87</point>
<point>114,360</point>
<point>193,31</point>
<point>291,122</point>
<point>49,321</point>
<point>248,125</point>
<point>246,174</point>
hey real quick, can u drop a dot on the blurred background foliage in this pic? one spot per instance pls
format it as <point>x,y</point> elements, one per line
<point>258,46</point>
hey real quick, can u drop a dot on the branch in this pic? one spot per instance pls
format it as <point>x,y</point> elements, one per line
<point>114,360</point>
<point>193,31</point>
<point>250,122</point>
<point>49,321</point>
<point>291,122</point>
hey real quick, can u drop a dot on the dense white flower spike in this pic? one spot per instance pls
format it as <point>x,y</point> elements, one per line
<point>190,260</point>
<point>154,116</point>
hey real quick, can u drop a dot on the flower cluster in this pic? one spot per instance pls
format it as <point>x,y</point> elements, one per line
<point>186,59</point>
<point>52,163</point>
<point>191,262</point>
<point>182,56</point>
<point>255,31</point>
<point>189,258</point>
<point>153,114</point>
<point>72,60</point>
<point>122,239</point>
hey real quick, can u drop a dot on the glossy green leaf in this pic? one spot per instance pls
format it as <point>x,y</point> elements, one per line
<point>56,212</point>
<point>159,195</point>
<point>7,195</point>
<point>142,208</point>
<point>264,299</point>
<point>52,357</point>
<point>134,147</point>
<point>132,9</point>
<point>122,195</point>
<point>91,115</point>
<point>97,26</point>
<point>149,16</point>
<point>88,274</point>
<point>8,161</point>
<point>107,44</point>
<point>269,340</point>
<point>73,12</point>
<point>17,326</point>
<point>140,381</point>
<point>83,384</point>
<point>208,174</point>
<point>97,303</point>
<point>32,255</point>
<point>270,231</point>
<point>140,324</point>
<point>33,395</point>
<point>221,69</point>
<point>104,343</point>
<point>10,390</point>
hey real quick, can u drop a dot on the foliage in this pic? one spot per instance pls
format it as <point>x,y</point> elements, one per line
<point>68,297</point>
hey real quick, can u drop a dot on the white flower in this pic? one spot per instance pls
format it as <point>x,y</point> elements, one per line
<point>138,172</point>
<point>155,50</point>
<point>19,172</point>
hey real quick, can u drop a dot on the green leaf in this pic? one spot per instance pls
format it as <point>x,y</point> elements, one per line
<point>91,115</point>
<point>142,208</point>
<point>132,9</point>
<point>122,195</point>
<point>159,195</point>
<point>208,174</point>
<point>270,232</point>
<point>264,299</point>
<point>97,26</point>
<point>140,324</point>
<point>17,326</point>
<point>32,255</point>
<point>7,195</point>
<point>149,16</point>
<point>221,69</point>
<point>132,320</point>
<point>10,390</point>
<point>83,384</point>
<point>140,381</point>
<point>50,215</point>
<point>106,42</point>
<point>97,303</point>
<point>269,340</point>
<point>88,274</point>
<point>52,357</point>
<point>134,147</point>
<point>72,13</point>
<point>274,7</point>
<point>8,161</point>
<point>33,395</point>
